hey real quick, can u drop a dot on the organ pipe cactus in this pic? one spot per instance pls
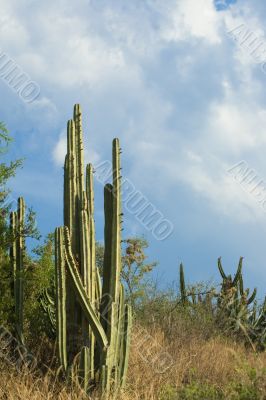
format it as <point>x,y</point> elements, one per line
<point>93,320</point>
<point>235,285</point>
<point>17,254</point>
<point>182,285</point>
<point>228,282</point>
<point>234,308</point>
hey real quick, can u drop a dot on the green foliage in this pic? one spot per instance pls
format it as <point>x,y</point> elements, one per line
<point>44,257</point>
<point>232,391</point>
<point>99,254</point>
<point>134,269</point>
<point>7,202</point>
<point>252,389</point>
<point>199,391</point>
<point>6,299</point>
<point>7,171</point>
<point>4,132</point>
<point>39,282</point>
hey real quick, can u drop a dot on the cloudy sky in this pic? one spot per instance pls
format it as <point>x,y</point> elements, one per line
<point>185,97</point>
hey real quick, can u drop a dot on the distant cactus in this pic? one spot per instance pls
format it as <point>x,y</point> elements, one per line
<point>17,254</point>
<point>182,285</point>
<point>232,306</point>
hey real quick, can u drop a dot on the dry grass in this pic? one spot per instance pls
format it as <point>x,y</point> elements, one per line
<point>191,358</point>
<point>214,361</point>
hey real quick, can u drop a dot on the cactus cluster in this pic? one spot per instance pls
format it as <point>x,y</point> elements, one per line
<point>93,322</point>
<point>17,254</point>
<point>87,313</point>
<point>233,306</point>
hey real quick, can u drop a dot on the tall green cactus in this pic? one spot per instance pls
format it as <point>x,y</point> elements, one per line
<point>17,253</point>
<point>92,317</point>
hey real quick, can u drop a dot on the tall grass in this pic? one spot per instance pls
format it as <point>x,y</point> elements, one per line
<point>203,363</point>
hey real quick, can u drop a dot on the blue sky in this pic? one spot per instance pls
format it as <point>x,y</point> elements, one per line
<point>222,5</point>
<point>185,100</point>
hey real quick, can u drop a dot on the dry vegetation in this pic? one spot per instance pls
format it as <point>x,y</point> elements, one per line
<point>202,365</point>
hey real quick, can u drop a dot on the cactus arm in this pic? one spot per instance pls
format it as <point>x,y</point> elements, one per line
<point>20,267</point>
<point>252,297</point>
<point>79,147</point>
<point>241,285</point>
<point>94,289</point>
<point>93,276</point>
<point>82,295</point>
<point>84,368</point>
<point>86,275</point>
<point>117,334</point>
<point>116,225</point>
<point>182,284</point>
<point>48,306</point>
<point>112,335</point>
<point>66,194</point>
<point>85,261</point>
<point>89,188</point>
<point>49,299</point>
<point>104,381</point>
<point>98,286</point>
<point>221,268</point>
<point>122,333</point>
<point>70,204</point>
<point>60,280</point>
<point>90,197</point>
<point>73,189</point>
<point>17,253</point>
<point>238,274</point>
<point>126,339</point>
<point>106,298</point>
<point>71,220</point>
<point>13,249</point>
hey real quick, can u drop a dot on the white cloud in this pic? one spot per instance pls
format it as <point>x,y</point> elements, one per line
<point>235,128</point>
<point>60,149</point>
<point>164,76</point>
<point>188,18</point>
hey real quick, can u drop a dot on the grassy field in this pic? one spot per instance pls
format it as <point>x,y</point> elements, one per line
<point>176,358</point>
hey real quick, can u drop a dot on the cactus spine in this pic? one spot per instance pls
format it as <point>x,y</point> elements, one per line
<point>92,317</point>
<point>17,253</point>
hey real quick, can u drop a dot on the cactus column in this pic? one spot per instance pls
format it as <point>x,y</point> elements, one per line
<point>17,252</point>
<point>92,317</point>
